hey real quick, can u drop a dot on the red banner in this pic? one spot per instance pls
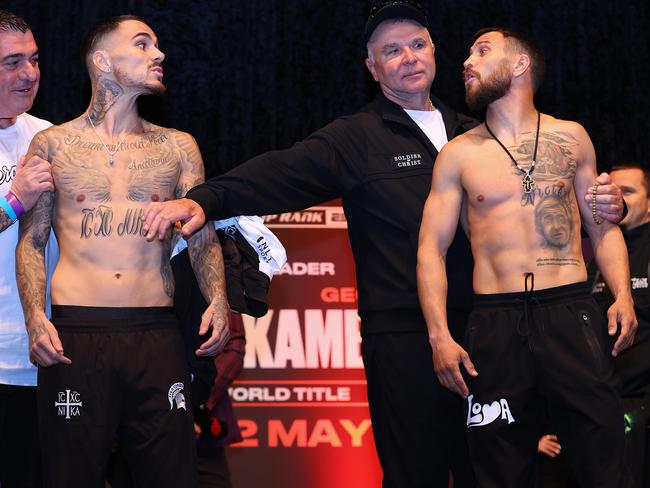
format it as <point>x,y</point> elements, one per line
<point>301,401</point>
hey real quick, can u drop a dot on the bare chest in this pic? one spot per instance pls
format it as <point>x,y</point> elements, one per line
<point>493,175</point>
<point>140,169</point>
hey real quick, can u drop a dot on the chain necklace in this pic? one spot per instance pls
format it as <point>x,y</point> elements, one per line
<point>528,182</point>
<point>111,154</point>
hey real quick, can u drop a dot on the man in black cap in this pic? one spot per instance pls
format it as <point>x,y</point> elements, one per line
<point>379,161</point>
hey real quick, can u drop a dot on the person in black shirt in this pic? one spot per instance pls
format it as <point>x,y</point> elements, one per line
<point>633,365</point>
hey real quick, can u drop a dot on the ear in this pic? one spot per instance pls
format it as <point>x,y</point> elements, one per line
<point>102,61</point>
<point>370,64</point>
<point>522,64</point>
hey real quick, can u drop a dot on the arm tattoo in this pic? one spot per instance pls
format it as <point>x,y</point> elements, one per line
<point>36,332</point>
<point>207,262</point>
<point>193,173</point>
<point>30,254</point>
<point>5,221</point>
<point>106,95</point>
<point>166,268</point>
<point>203,248</point>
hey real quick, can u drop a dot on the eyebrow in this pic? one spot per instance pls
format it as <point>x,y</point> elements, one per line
<point>479,44</point>
<point>389,46</point>
<point>397,44</point>
<point>13,56</point>
<point>147,35</point>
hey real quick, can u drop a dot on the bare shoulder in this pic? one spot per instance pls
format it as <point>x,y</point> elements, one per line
<point>42,142</point>
<point>175,136</point>
<point>461,147</point>
<point>561,126</point>
<point>51,133</point>
<point>57,132</point>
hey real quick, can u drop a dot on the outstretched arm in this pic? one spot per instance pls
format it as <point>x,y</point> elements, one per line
<point>45,347</point>
<point>326,165</point>
<point>439,223</point>
<point>609,250</point>
<point>205,255</point>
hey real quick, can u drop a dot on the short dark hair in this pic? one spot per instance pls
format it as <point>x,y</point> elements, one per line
<point>634,165</point>
<point>12,22</point>
<point>519,41</point>
<point>99,30</point>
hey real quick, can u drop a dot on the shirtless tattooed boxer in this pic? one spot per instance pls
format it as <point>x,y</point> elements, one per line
<point>536,338</point>
<point>112,360</point>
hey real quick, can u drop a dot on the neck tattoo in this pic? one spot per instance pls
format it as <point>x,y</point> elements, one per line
<point>111,154</point>
<point>528,182</point>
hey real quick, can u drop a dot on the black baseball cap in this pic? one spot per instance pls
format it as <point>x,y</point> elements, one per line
<point>387,9</point>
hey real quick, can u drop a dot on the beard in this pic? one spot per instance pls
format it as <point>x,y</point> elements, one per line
<point>156,89</point>
<point>146,87</point>
<point>490,90</point>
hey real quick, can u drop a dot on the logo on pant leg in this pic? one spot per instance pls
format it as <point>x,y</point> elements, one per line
<point>68,404</point>
<point>483,414</point>
<point>175,395</point>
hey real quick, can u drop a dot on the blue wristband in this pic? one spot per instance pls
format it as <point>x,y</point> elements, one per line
<point>4,205</point>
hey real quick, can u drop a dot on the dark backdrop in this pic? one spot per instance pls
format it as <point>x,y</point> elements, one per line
<point>246,76</point>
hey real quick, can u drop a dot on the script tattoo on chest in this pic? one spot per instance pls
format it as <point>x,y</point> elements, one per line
<point>83,175</point>
<point>156,174</point>
<point>101,222</point>
<point>82,142</point>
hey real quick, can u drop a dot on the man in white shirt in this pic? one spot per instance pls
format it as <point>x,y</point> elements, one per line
<point>21,183</point>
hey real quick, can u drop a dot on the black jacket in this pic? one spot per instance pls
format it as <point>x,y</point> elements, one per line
<point>379,162</point>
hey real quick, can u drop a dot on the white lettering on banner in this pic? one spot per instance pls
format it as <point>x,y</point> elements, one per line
<point>321,340</point>
<point>251,394</point>
<point>322,393</point>
<point>308,269</point>
<point>299,433</point>
<point>331,340</point>
<point>311,218</point>
<point>288,341</point>
<point>304,217</point>
<point>259,394</point>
